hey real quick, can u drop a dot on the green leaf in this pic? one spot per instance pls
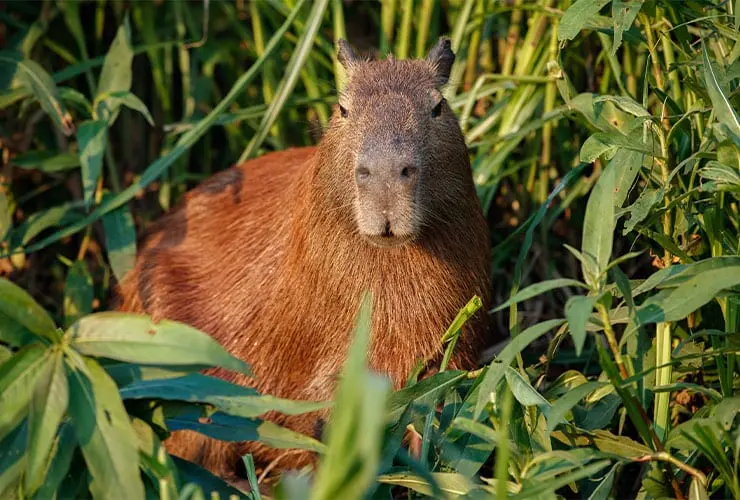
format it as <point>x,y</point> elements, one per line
<point>49,403</point>
<point>125,98</point>
<point>722,107</point>
<point>677,303</point>
<point>19,306</point>
<point>6,218</point>
<point>609,193</point>
<point>604,489</point>
<point>607,143</point>
<point>283,438</point>
<point>104,431</point>
<point>230,398</point>
<point>624,14</point>
<point>498,366</point>
<point>539,489</point>
<point>578,310</point>
<point>537,289</point>
<point>722,174</point>
<point>523,390</point>
<point>204,479</point>
<point>137,339</point>
<point>576,17</point>
<point>43,220</point>
<point>563,405</point>
<point>451,483</point>
<point>41,85</point>
<point>46,161</point>
<point>426,392</point>
<point>63,450</point>
<point>18,376</point>
<point>92,138</point>
<point>697,491</point>
<point>78,293</point>
<point>120,240</point>
<point>116,74</point>
<point>13,460</point>
<point>478,429</point>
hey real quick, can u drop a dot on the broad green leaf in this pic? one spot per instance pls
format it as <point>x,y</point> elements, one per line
<point>484,432</point>
<point>62,450</point>
<point>576,17</point>
<point>105,434</point>
<point>49,403</point>
<point>116,74</point>
<point>523,390</point>
<point>578,310</point>
<point>697,491</point>
<point>17,305</point>
<point>112,102</point>
<point>137,339</point>
<point>608,194</point>
<point>619,445</point>
<point>677,303</point>
<point>722,174</point>
<point>603,114</point>
<point>18,376</point>
<point>624,13</point>
<point>41,85</point>
<point>641,208</point>
<point>625,103</point>
<point>607,143</point>
<point>230,398</point>
<point>723,109</point>
<point>563,405</point>
<point>120,240</point>
<point>46,161</point>
<point>537,289</point>
<point>6,218</point>
<point>44,219</point>
<point>92,138</point>
<point>498,366</point>
<point>452,484</point>
<point>425,392</point>
<point>604,489</point>
<point>78,293</point>
<point>283,438</point>
<point>13,460</point>
<point>540,489</point>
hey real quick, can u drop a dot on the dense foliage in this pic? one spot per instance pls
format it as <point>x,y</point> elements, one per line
<point>605,144</point>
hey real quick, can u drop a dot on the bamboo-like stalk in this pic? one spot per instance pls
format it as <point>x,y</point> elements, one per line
<point>403,41</point>
<point>424,20</point>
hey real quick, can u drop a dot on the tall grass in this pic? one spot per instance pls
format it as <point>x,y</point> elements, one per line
<point>605,145</point>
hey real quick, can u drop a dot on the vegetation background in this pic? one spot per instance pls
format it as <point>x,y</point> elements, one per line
<point>605,145</point>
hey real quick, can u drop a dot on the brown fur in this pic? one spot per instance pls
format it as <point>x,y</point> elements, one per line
<point>267,257</point>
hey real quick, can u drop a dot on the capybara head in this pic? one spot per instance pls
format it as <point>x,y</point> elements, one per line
<point>399,161</point>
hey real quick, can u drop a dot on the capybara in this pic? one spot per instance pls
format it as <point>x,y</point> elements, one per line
<point>272,257</point>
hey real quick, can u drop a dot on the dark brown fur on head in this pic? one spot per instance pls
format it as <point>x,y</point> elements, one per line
<point>272,257</point>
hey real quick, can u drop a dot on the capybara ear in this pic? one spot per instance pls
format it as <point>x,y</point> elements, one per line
<point>346,55</point>
<point>442,57</point>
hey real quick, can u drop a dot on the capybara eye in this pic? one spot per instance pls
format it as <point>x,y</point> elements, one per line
<point>343,111</point>
<point>437,110</point>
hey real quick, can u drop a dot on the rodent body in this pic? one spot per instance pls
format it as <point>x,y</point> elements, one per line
<point>272,257</point>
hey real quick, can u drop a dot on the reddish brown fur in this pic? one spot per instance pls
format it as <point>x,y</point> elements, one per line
<point>266,258</point>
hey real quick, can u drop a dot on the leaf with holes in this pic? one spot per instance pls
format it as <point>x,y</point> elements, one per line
<point>92,138</point>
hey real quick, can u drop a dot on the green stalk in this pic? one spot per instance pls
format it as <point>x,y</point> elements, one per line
<point>661,411</point>
<point>550,95</point>
<point>404,34</point>
<point>268,73</point>
<point>502,446</point>
<point>512,37</point>
<point>387,22</point>
<point>471,69</point>
<point>422,29</point>
<point>340,31</point>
